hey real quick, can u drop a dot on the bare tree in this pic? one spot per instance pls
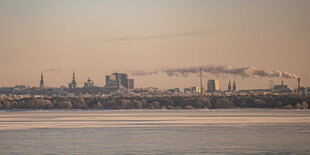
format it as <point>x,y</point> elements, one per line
<point>304,105</point>
<point>298,106</point>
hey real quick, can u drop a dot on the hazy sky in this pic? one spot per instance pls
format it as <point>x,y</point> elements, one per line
<point>98,37</point>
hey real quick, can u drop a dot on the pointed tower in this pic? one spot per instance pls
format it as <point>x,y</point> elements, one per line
<point>229,87</point>
<point>234,87</point>
<point>41,81</point>
<point>73,82</point>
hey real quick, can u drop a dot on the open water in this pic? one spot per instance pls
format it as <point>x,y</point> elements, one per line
<point>238,131</point>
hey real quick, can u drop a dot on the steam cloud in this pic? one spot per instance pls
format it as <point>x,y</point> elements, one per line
<point>221,70</point>
<point>51,70</point>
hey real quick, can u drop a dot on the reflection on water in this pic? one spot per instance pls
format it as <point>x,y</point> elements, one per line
<point>253,131</point>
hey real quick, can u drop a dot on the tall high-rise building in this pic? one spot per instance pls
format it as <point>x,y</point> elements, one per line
<point>234,87</point>
<point>107,80</point>
<point>229,87</point>
<point>41,81</point>
<point>110,80</point>
<point>122,79</point>
<point>131,84</point>
<point>118,81</point>
<point>72,85</point>
<point>213,86</point>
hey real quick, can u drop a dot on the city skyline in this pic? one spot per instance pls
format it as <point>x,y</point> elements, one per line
<point>205,83</point>
<point>101,37</point>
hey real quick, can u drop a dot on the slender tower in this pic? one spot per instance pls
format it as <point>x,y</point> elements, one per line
<point>234,87</point>
<point>41,81</point>
<point>201,88</point>
<point>229,87</point>
<point>73,80</point>
<point>72,84</point>
<point>73,76</point>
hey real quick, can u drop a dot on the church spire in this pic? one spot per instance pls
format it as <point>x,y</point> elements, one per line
<point>41,81</point>
<point>73,82</point>
<point>234,87</point>
<point>73,77</point>
<point>229,87</point>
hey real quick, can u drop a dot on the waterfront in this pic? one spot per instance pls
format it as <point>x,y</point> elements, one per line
<point>243,131</point>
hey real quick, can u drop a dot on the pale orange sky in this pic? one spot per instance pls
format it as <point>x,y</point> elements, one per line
<point>90,36</point>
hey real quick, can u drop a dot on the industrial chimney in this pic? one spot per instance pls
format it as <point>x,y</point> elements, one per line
<point>298,82</point>
<point>201,89</point>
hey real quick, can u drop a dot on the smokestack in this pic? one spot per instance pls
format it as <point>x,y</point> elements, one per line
<point>201,89</point>
<point>298,82</point>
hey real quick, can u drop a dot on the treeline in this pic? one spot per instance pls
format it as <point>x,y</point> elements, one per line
<point>160,102</point>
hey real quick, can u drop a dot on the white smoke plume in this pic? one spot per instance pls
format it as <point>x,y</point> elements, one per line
<point>220,70</point>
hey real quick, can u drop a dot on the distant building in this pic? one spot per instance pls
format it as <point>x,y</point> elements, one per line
<point>175,90</point>
<point>111,83</point>
<point>282,88</point>
<point>88,88</point>
<point>110,80</point>
<point>300,89</point>
<point>213,86</point>
<point>229,87</point>
<point>304,90</point>
<point>72,85</point>
<point>192,90</point>
<point>41,81</point>
<point>118,81</point>
<point>151,89</point>
<point>234,87</point>
<point>195,89</point>
<point>121,79</point>
<point>131,84</point>
<point>254,91</point>
<point>89,83</point>
<point>187,90</point>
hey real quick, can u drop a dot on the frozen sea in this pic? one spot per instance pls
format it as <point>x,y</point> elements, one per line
<point>236,131</point>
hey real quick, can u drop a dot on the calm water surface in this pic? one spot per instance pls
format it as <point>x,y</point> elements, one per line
<point>248,131</point>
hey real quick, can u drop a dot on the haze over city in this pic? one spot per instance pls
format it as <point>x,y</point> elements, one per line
<point>97,38</point>
<point>154,77</point>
